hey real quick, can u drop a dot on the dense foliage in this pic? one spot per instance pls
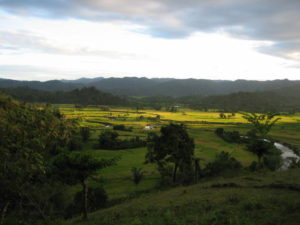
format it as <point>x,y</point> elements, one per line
<point>175,146</point>
<point>84,96</point>
<point>222,163</point>
<point>29,137</point>
<point>36,164</point>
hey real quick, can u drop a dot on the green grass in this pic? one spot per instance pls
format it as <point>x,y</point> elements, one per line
<point>264,199</point>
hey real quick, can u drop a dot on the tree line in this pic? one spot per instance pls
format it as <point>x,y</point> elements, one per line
<point>272,101</point>
<point>84,96</point>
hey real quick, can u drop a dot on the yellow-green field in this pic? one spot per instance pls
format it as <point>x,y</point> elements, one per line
<point>201,125</point>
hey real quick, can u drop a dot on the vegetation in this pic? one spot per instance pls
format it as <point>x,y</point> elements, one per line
<point>262,124</point>
<point>37,163</point>
<point>84,96</point>
<point>226,96</point>
<point>109,140</point>
<point>77,168</point>
<point>182,148</point>
<point>250,199</point>
<point>133,86</point>
<point>30,137</point>
<point>173,146</point>
<point>222,164</point>
<point>85,133</point>
<point>137,174</point>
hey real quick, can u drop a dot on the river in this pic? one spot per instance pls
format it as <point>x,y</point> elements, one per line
<point>286,153</point>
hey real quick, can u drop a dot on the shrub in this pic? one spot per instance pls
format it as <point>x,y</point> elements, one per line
<point>222,163</point>
<point>109,140</point>
<point>229,136</point>
<point>219,132</point>
<point>272,161</point>
<point>122,127</point>
<point>75,143</point>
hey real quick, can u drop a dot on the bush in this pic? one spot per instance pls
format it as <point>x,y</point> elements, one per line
<point>219,132</point>
<point>253,166</point>
<point>229,136</point>
<point>75,143</point>
<point>222,163</point>
<point>109,140</point>
<point>122,128</point>
<point>272,161</point>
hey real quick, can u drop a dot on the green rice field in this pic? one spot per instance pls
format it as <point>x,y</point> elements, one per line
<point>201,126</point>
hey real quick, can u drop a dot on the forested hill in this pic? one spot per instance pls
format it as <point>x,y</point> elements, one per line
<point>275,101</point>
<point>84,96</point>
<point>132,86</point>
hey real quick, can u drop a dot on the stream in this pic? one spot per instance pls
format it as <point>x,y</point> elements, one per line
<point>286,153</point>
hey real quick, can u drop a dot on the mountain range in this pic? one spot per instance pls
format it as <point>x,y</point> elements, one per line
<point>133,86</point>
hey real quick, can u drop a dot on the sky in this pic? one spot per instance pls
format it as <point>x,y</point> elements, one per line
<point>203,39</point>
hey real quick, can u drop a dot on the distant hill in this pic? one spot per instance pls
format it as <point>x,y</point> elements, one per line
<point>84,96</point>
<point>82,80</point>
<point>271,101</point>
<point>133,86</point>
<point>52,85</point>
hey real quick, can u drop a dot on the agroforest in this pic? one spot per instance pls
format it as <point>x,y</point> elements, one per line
<point>149,151</point>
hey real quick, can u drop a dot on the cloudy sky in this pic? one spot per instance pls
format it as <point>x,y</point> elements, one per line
<point>210,39</point>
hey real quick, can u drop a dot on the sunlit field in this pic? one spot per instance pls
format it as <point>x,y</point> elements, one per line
<point>201,126</point>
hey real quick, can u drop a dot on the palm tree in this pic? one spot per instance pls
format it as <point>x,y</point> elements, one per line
<point>262,123</point>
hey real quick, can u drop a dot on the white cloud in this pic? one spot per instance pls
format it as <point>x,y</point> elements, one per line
<point>74,48</point>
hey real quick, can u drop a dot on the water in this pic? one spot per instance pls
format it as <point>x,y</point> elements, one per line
<point>286,153</point>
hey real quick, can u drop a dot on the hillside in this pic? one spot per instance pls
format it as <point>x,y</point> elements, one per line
<point>133,86</point>
<point>277,101</point>
<point>84,96</point>
<point>270,198</point>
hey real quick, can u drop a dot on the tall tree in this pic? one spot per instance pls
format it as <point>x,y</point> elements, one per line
<point>77,168</point>
<point>173,146</point>
<point>262,125</point>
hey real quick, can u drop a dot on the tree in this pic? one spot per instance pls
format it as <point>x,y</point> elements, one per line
<point>85,133</point>
<point>259,148</point>
<point>137,174</point>
<point>108,139</point>
<point>29,137</point>
<point>173,146</point>
<point>77,168</point>
<point>262,123</point>
<point>222,116</point>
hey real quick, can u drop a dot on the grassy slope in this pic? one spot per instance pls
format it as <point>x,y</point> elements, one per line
<point>264,199</point>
